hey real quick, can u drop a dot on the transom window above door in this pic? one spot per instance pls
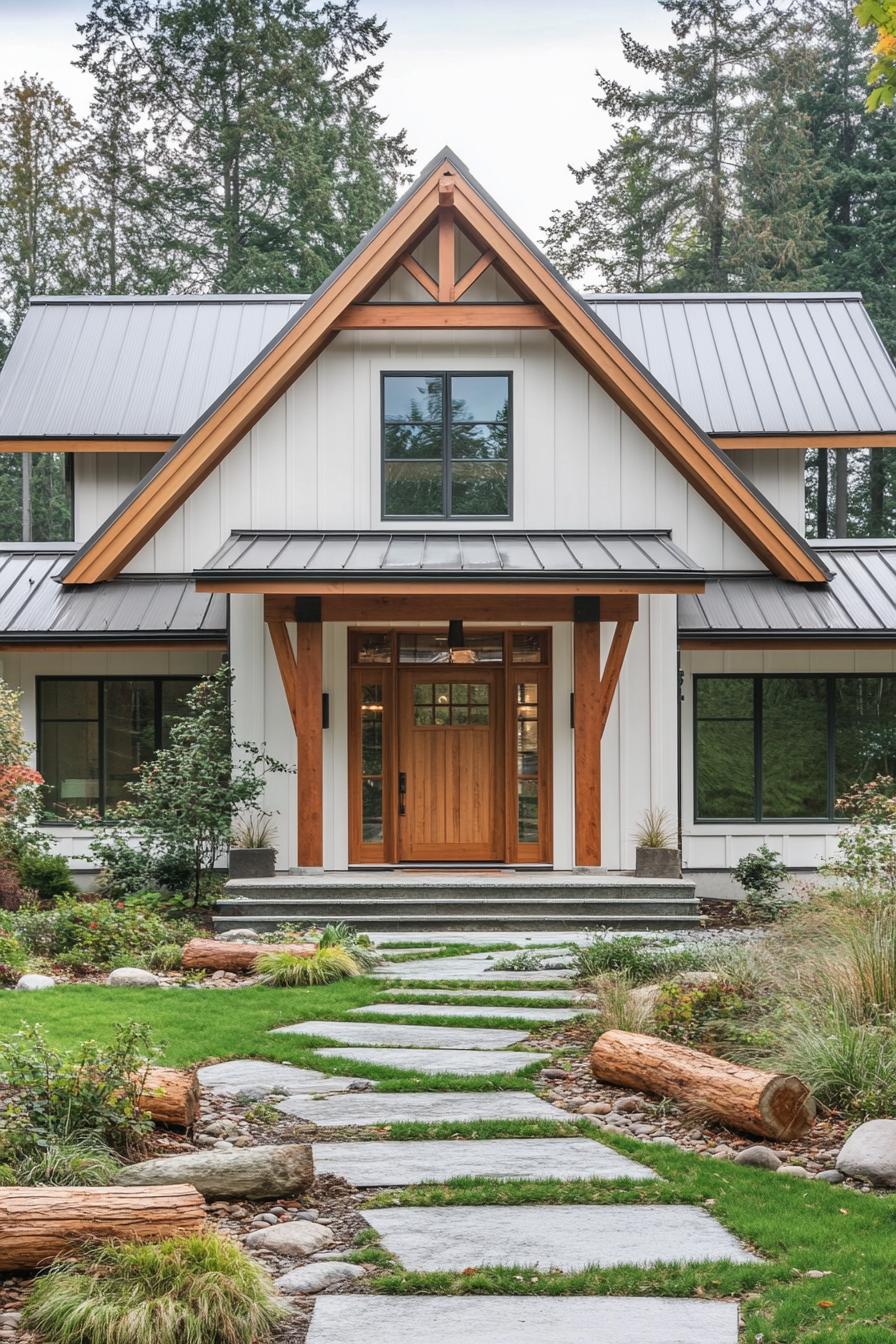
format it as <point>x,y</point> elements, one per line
<point>446,445</point>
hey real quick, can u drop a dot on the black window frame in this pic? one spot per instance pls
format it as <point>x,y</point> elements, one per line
<point>445,375</point>
<point>759,818</point>
<point>100,683</point>
<point>26,508</point>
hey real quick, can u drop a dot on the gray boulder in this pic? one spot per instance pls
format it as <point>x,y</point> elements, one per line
<point>237,936</point>
<point>267,1172</point>
<point>792,1170</point>
<point>34,981</point>
<point>314,1278</point>
<point>758,1156</point>
<point>296,1238</point>
<point>869,1154</point>
<point>134,977</point>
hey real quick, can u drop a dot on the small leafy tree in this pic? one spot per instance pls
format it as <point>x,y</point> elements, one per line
<point>880,14</point>
<point>761,874</point>
<point>182,802</point>
<point>866,849</point>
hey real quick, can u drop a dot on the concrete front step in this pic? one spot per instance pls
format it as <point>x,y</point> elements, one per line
<point>438,922</point>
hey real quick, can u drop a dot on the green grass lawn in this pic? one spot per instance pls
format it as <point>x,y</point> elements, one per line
<point>191,1026</point>
<point>796,1225</point>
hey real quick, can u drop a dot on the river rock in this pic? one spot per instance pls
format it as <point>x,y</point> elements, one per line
<point>757,1155</point>
<point>34,981</point>
<point>297,1238</point>
<point>869,1154</point>
<point>267,1172</point>
<point>314,1278</point>
<point>134,977</point>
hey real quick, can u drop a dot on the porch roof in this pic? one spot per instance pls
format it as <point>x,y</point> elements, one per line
<point>161,609</point>
<point>414,555</point>
<point>857,606</point>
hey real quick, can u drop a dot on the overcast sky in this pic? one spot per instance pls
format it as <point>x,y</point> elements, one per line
<point>507,83</point>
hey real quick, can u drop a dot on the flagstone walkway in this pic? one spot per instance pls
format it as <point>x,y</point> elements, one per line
<point>456,1237</point>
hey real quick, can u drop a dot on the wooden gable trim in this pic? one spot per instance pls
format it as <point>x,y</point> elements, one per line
<point>443,194</point>
<point>421,316</point>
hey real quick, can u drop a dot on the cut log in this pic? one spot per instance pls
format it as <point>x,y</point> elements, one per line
<point>171,1097</point>
<point>271,1171</point>
<point>772,1105</point>
<point>40,1222</point>
<point>207,954</point>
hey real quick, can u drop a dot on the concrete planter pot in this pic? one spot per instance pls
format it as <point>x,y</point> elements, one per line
<point>650,862</point>
<point>252,862</point>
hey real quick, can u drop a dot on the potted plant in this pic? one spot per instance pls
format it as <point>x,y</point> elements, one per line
<point>657,854</point>
<point>252,852</point>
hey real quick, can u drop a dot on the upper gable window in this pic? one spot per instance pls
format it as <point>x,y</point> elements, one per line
<point>446,445</point>
<point>36,497</point>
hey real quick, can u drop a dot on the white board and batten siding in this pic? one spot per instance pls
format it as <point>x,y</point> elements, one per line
<point>712,846</point>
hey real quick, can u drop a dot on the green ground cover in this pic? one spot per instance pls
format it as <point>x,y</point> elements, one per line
<point>192,1026</point>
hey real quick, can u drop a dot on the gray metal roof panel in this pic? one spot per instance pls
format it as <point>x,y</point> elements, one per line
<point>762,363</point>
<point>134,367</point>
<point>858,603</point>
<point>35,608</point>
<point>420,554</point>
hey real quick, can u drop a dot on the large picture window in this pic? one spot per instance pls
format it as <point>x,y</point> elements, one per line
<point>780,748</point>
<point>36,497</point>
<point>92,733</point>
<point>446,445</point>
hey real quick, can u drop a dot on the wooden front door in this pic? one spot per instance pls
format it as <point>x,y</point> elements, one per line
<point>451,765</point>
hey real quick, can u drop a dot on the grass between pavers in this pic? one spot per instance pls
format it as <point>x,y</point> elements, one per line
<point>448,950</point>
<point>795,1224</point>
<point>474,984</point>
<point>481,999</point>
<point>192,1026</point>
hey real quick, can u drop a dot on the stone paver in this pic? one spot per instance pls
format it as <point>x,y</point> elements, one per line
<point>522,1320</point>
<point>410,1162</point>
<point>551,1236</point>
<point>470,1063</point>
<point>392,1033</point>
<point>383,1108</point>
<point>258,1075</point>
<point>460,1010</point>
<point>530,995</point>
<point>472,966</point>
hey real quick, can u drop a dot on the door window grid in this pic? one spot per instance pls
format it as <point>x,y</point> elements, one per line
<point>527,762</point>
<point>372,770</point>
<point>456,704</point>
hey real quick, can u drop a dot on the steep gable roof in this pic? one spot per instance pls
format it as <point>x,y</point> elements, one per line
<point>445,185</point>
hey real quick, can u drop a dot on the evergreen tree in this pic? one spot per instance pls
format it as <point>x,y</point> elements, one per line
<point>42,215</point>
<point>621,236</point>
<point>692,119</point>
<point>779,235</point>
<point>268,155</point>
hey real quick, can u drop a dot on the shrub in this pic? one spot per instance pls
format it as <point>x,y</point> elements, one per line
<point>762,875</point>
<point>621,1005</point>
<point>643,962</point>
<point>60,1162</point>
<point>13,958</point>
<point>696,1015</point>
<point>88,1093</point>
<point>95,934</point>
<point>165,957</point>
<point>12,893</point>
<point>288,970</point>
<point>47,875</point>
<point>866,854</point>
<point>357,945</point>
<point>519,961</point>
<point>202,1289</point>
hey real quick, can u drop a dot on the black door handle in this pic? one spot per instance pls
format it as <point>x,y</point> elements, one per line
<point>402,792</point>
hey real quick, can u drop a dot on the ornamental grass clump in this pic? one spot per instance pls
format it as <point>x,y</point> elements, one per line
<point>201,1289</point>
<point>59,1162</point>
<point>288,970</point>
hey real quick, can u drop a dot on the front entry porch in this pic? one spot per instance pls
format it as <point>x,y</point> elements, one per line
<point>490,900</point>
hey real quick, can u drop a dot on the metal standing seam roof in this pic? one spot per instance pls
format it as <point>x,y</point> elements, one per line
<point>35,608</point>
<point>130,367</point>
<point>143,366</point>
<point>858,603</point>
<point>420,555</point>
<point>762,363</point>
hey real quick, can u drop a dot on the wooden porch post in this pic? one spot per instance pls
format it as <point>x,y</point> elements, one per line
<point>587,730</point>
<point>309,731</point>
